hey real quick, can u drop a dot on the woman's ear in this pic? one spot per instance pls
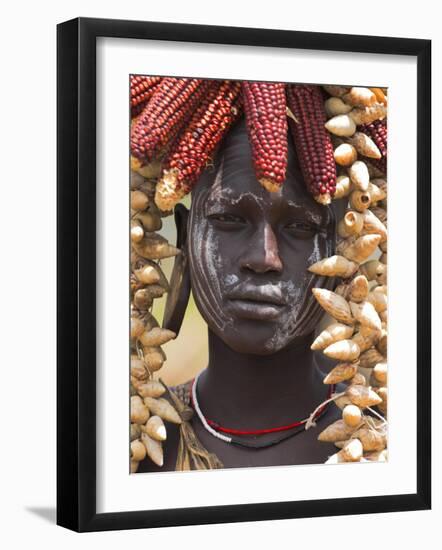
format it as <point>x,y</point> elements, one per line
<point>179,288</point>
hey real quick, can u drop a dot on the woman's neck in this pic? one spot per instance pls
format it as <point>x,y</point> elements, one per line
<point>259,391</point>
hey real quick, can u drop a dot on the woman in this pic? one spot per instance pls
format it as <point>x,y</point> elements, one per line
<point>245,256</point>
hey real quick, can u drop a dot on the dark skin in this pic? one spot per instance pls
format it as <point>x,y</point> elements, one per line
<point>248,253</point>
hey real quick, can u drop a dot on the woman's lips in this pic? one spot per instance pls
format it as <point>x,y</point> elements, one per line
<point>262,302</point>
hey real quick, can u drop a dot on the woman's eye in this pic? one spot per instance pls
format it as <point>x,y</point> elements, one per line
<point>227,218</point>
<point>301,229</point>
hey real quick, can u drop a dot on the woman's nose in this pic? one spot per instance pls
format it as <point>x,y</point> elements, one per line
<point>262,253</point>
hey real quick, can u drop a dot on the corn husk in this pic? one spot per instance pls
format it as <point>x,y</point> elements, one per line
<point>365,115</point>
<point>359,97</point>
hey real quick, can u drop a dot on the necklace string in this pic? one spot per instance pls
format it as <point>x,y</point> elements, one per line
<point>220,432</point>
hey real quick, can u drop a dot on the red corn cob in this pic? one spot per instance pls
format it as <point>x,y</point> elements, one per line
<point>163,117</point>
<point>192,150</point>
<point>141,90</point>
<point>312,141</point>
<point>377,131</point>
<point>266,119</point>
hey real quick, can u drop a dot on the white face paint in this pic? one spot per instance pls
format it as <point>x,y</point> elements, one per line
<point>249,251</point>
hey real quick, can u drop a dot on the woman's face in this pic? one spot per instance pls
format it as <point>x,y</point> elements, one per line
<point>249,250</point>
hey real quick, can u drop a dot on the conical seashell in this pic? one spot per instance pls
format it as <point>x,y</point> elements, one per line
<point>382,184</point>
<point>352,415</point>
<point>133,466</point>
<point>334,305</point>
<point>154,449</point>
<point>380,372</point>
<point>137,367</point>
<point>150,220</point>
<point>137,180</point>
<point>377,456</point>
<point>378,300</point>
<point>381,274</point>
<point>341,372</point>
<point>162,408</point>
<point>144,297</point>
<point>366,314</point>
<point>139,413</point>
<point>335,266</point>
<point>383,258</point>
<point>362,396</point>
<point>359,97</point>
<point>340,444</point>
<point>344,350</point>
<point>333,333</point>
<point>360,200</point>
<point>147,274</point>
<point>366,337</point>
<point>383,394</point>
<point>345,154</point>
<point>358,173</point>
<point>376,193</point>
<point>372,224</point>
<point>137,450</point>
<point>383,246</point>
<point>335,459</point>
<point>335,106</point>
<point>370,358</point>
<point>156,337</point>
<point>352,450</point>
<point>152,170</point>
<point>380,213</point>
<point>358,289</point>
<point>341,125</point>
<point>135,431</point>
<point>343,187</point>
<point>152,388</point>
<point>342,290</point>
<point>341,401</point>
<point>365,145</point>
<point>370,269</point>
<point>337,431</point>
<point>136,231</point>
<point>362,248</point>
<point>155,247</point>
<point>358,379</point>
<point>154,358</point>
<point>351,224</point>
<point>382,344</point>
<point>371,439</point>
<point>138,200</point>
<point>136,327</point>
<point>366,115</point>
<point>155,428</point>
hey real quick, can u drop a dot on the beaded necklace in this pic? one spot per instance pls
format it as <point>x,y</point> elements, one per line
<point>221,432</point>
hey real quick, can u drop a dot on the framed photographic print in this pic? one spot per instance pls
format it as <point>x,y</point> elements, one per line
<point>225,200</point>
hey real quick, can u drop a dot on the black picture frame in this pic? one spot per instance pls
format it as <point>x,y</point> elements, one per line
<point>76,273</point>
